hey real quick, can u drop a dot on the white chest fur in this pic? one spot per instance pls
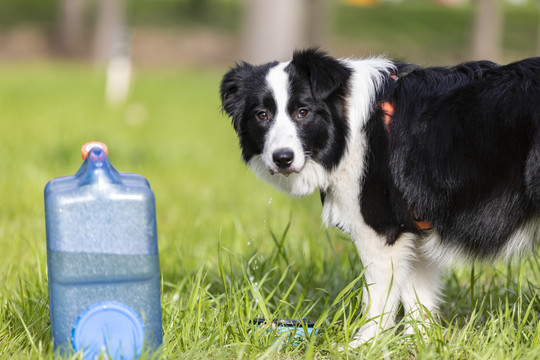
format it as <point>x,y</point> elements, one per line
<point>342,202</point>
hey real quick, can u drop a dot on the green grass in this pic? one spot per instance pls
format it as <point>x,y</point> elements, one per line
<point>231,247</point>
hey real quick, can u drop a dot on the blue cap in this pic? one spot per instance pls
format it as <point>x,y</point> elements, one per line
<point>110,326</point>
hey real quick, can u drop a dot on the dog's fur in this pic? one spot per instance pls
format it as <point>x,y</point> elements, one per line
<point>461,150</point>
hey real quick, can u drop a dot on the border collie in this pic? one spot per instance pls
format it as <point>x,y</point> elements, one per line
<point>418,165</point>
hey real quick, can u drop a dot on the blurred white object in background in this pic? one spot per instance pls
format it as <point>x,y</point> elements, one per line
<point>119,70</point>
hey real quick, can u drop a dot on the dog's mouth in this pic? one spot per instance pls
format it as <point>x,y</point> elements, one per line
<point>284,172</point>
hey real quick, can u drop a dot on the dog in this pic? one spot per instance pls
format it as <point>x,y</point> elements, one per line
<point>418,165</point>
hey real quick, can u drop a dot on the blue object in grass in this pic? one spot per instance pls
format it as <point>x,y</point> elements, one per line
<point>110,325</point>
<point>299,330</point>
<point>102,261</point>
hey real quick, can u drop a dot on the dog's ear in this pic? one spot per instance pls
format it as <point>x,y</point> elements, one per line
<point>326,74</point>
<point>231,85</point>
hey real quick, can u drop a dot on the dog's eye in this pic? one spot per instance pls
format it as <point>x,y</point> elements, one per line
<point>262,115</point>
<point>302,113</point>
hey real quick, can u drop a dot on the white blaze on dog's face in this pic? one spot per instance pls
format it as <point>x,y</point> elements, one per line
<point>283,150</point>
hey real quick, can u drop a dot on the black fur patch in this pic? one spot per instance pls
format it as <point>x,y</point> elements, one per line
<point>243,91</point>
<point>382,205</point>
<point>464,149</point>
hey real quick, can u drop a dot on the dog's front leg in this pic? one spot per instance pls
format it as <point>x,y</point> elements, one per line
<point>420,295</point>
<point>386,269</point>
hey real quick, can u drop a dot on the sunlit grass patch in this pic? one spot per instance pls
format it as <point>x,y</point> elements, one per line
<point>231,248</point>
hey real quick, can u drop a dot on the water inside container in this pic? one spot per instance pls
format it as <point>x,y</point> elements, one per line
<point>78,280</point>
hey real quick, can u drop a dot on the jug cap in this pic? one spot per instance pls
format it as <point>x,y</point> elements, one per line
<point>111,325</point>
<point>85,149</point>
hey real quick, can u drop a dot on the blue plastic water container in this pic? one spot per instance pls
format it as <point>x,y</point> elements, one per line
<point>102,257</point>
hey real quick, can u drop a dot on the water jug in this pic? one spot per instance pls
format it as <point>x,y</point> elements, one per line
<point>102,261</point>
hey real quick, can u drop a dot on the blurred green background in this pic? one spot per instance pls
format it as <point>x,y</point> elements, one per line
<point>216,32</point>
<point>57,58</point>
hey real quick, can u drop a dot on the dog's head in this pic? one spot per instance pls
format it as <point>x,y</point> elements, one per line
<point>290,118</point>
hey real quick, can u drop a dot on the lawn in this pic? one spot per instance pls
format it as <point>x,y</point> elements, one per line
<point>231,248</point>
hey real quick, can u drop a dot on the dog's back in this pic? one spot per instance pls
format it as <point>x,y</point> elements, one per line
<point>465,151</point>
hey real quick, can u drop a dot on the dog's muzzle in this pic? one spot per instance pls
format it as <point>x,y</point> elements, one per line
<point>283,160</point>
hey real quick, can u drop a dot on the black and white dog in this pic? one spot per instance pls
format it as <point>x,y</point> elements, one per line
<point>417,165</point>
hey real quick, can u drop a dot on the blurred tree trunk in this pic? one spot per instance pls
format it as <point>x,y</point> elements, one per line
<point>318,16</point>
<point>487,37</point>
<point>110,24</point>
<point>199,8</point>
<point>70,36</point>
<point>273,29</point>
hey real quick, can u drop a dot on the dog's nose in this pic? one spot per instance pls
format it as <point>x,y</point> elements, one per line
<point>283,158</point>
